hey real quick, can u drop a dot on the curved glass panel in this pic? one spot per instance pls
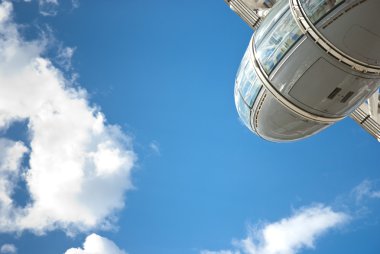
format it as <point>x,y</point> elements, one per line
<point>250,90</point>
<point>277,41</point>
<point>317,9</point>
<point>247,87</point>
<point>243,110</point>
<point>270,20</point>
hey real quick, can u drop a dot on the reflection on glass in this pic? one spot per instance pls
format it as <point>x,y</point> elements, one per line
<point>243,64</point>
<point>247,87</point>
<point>247,82</point>
<point>250,90</point>
<point>273,16</point>
<point>317,9</point>
<point>278,40</point>
<point>243,110</point>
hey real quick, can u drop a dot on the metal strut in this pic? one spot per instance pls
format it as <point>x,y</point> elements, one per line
<point>368,115</point>
<point>250,16</point>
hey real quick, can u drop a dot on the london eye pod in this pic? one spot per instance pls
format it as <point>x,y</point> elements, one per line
<point>309,64</point>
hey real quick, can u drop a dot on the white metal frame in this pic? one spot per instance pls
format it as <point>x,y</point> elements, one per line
<point>367,115</point>
<point>309,29</point>
<point>268,85</point>
<point>251,17</point>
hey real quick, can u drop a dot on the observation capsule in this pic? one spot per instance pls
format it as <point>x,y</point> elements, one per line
<point>309,64</point>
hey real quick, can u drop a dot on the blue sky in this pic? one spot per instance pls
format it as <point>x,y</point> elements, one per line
<point>152,158</point>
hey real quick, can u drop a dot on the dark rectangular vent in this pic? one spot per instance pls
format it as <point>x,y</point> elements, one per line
<point>347,96</point>
<point>334,93</point>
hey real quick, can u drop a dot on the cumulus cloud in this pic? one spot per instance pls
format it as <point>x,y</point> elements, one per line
<point>78,165</point>
<point>8,249</point>
<point>95,244</point>
<point>289,235</point>
<point>11,154</point>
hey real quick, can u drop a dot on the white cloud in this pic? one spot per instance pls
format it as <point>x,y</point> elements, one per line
<point>48,7</point>
<point>220,252</point>
<point>11,154</point>
<point>95,244</point>
<point>155,147</point>
<point>79,166</point>
<point>75,3</point>
<point>365,189</point>
<point>289,235</point>
<point>64,57</point>
<point>8,249</point>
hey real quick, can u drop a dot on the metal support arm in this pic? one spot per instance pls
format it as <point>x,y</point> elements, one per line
<point>247,11</point>
<point>368,115</point>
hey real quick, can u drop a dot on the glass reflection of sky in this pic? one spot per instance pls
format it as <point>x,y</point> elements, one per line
<point>317,9</point>
<point>247,87</point>
<point>279,38</point>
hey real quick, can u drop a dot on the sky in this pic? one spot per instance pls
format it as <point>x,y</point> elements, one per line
<point>119,134</point>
